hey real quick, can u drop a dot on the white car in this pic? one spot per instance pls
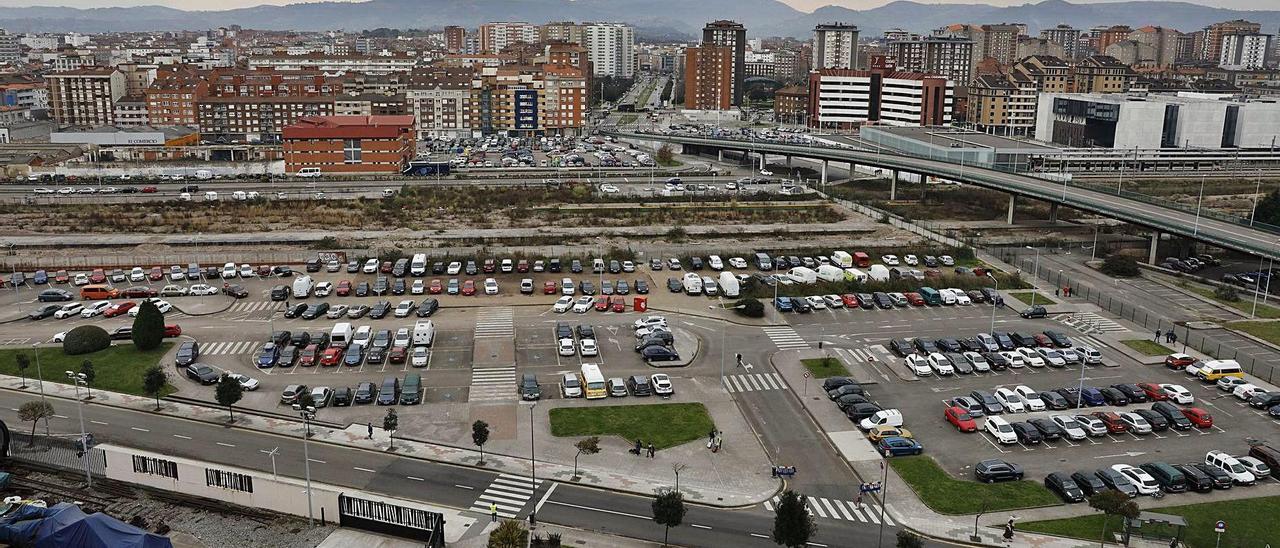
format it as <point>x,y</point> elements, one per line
<point>571,386</point>
<point>816,302</point>
<point>737,262</point>
<point>940,364</point>
<point>1051,356</point>
<point>662,384</point>
<point>583,304</point>
<point>608,188</point>
<point>1135,423</point>
<point>137,274</point>
<point>1229,464</point>
<point>59,337</point>
<point>766,173</point>
<point>417,288</point>
<point>1089,354</point>
<point>562,305</point>
<point>833,301</point>
<point>1091,425</point>
<point>228,271</point>
<point>1256,467</point>
<point>1030,397</point>
<point>401,337</point>
<point>419,358</point>
<point>911,260</point>
<point>404,308</point>
<point>890,260</point>
<point>454,268</point>
<point>1244,391</point>
<point>1070,355</point>
<point>246,271</point>
<point>1031,357</point>
<point>566,347</point>
<point>1070,426</point>
<point>962,298</point>
<point>94,309</point>
<point>947,260</point>
<point>324,289</point>
<point>370,266</point>
<point>1001,430</point>
<point>1229,384</point>
<point>490,286</point>
<point>336,311</point>
<point>206,289</point>
<point>173,290</point>
<point>587,347</point>
<point>1015,359</point>
<point>919,365</point>
<point>81,279</point>
<point>1010,400</point>
<point>246,382</point>
<point>649,321</point>
<point>978,362</point>
<point>163,306</point>
<point>1139,478</point>
<point>68,310</point>
<point>1178,394</point>
<point>646,331</point>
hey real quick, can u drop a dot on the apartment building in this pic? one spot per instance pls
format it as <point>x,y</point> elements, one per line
<point>455,39</point>
<point>1246,52</point>
<point>23,91</point>
<point>370,104</point>
<point>367,64</point>
<point>843,99</point>
<point>835,45</point>
<point>1047,73</point>
<point>440,101</point>
<point>563,31</point>
<point>1102,74</point>
<point>349,144</point>
<point>708,77</point>
<point>1003,105</point>
<point>131,111</point>
<point>1211,49</point>
<point>10,48</point>
<point>234,119</point>
<point>1160,45</point>
<point>791,105</point>
<point>610,48</point>
<point>497,36</point>
<point>85,96</point>
<point>949,57</point>
<point>731,35</point>
<point>1066,36</point>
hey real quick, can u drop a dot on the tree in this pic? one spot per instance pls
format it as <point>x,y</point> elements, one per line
<point>907,539</point>
<point>668,510</point>
<point>750,307</point>
<point>34,411</point>
<point>1120,266</point>
<point>1226,293</point>
<point>85,339</point>
<point>586,446</point>
<point>390,423</point>
<point>153,383</point>
<point>86,370</point>
<point>792,524</point>
<point>1113,503</point>
<point>665,155</point>
<point>1268,210</point>
<point>228,392</point>
<point>480,436</point>
<point>509,534</point>
<point>23,362</point>
<point>307,402</point>
<point>148,326</point>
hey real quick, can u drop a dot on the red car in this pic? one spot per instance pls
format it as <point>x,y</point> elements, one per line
<point>98,276</point>
<point>332,356</point>
<point>1198,417</point>
<point>148,190</point>
<point>172,330</point>
<point>61,277</point>
<point>469,287</point>
<point>398,354</point>
<point>522,266</point>
<point>436,287</point>
<point>490,266</point>
<point>915,299</point>
<point>343,289</point>
<point>138,292</point>
<point>1153,391</point>
<point>1178,361</point>
<point>602,304</point>
<point>118,309</point>
<point>309,355</point>
<point>550,288</point>
<point>959,418</point>
<point>850,300</point>
<point>1112,420</point>
<point>618,304</point>
<point>156,274</point>
<point>264,270</point>
<point>385,267</point>
<point>1043,340</point>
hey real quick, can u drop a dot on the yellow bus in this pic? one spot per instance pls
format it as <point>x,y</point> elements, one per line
<point>593,380</point>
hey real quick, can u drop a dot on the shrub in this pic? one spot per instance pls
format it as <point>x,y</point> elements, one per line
<point>148,326</point>
<point>1226,293</point>
<point>85,339</point>
<point>750,307</point>
<point>1120,266</point>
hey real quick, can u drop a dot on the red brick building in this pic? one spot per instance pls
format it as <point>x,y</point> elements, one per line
<point>350,144</point>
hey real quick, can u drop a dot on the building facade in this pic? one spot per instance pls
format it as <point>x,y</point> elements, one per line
<point>1246,52</point>
<point>791,105</point>
<point>842,99</point>
<point>349,144</point>
<point>1155,121</point>
<point>733,36</point>
<point>611,48</point>
<point>1066,36</point>
<point>1102,74</point>
<point>236,119</point>
<point>951,58</point>
<point>85,96</point>
<point>1213,35</point>
<point>455,39</point>
<point>497,36</point>
<point>1003,105</point>
<point>835,45</point>
<point>708,77</point>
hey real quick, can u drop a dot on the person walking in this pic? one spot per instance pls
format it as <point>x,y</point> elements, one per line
<point>857,502</point>
<point>651,450</point>
<point>1173,337</point>
<point>1157,335</point>
<point>639,445</point>
<point>493,512</point>
<point>370,431</point>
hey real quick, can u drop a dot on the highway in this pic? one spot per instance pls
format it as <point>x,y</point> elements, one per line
<point>1223,234</point>
<point>430,482</point>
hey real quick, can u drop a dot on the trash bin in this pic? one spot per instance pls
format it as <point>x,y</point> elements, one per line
<point>640,304</point>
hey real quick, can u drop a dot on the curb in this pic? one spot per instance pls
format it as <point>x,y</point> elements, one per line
<point>194,315</point>
<point>709,317</point>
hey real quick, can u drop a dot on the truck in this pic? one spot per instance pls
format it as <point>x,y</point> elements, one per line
<point>879,272</point>
<point>830,273</point>
<point>692,284</point>
<point>861,259</point>
<point>302,286</point>
<point>729,286</point>
<point>424,333</point>
<point>802,275</point>
<point>842,259</point>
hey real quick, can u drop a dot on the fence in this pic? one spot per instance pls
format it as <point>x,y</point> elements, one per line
<point>56,452</point>
<point>1150,320</point>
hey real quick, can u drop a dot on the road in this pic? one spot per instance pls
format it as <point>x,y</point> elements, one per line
<point>431,482</point>
<point>1224,234</point>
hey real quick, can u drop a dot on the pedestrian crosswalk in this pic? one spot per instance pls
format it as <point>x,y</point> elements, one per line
<point>228,348</point>
<point>1085,339</point>
<point>495,322</point>
<point>254,306</point>
<point>1090,322</point>
<point>785,338</point>
<point>866,512</point>
<point>753,382</point>
<point>493,383</point>
<point>509,493</point>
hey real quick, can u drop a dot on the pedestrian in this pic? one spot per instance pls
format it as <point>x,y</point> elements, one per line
<point>639,444</point>
<point>1173,337</point>
<point>651,450</point>
<point>493,512</point>
<point>1173,543</point>
<point>1055,291</point>
<point>1157,335</point>
<point>857,502</point>
<point>370,431</point>
<point>711,437</point>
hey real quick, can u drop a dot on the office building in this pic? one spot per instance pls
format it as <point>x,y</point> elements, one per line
<point>708,77</point>
<point>85,96</point>
<point>843,99</point>
<point>1246,52</point>
<point>835,45</point>
<point>951,58</point>
<point>733,36</point>
<point>1155,121</point>
<point>610,48</point>
<point>349,144</point>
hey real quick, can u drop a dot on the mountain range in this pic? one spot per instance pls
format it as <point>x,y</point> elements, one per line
<point>651,17</point>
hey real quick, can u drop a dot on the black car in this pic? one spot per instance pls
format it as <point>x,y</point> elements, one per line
<point>1131,391</point>
<point>295,310</point>
<point>380,286</point>
<point>428,307</point>
<point>315,311</point>
<point>1025,340</point>
<point>279,293</point>
<point>659,354</point>
<point>970,344</point>
<point>1004,340</point>
<point>1113,396</point>
<point>188,352</point>
<point>1064,486</point>
<point>642,288</point>
<point>990,405</point>
<point>859,411</point>
<point>1027,434</point>
<point>313,265</point>
<point>652,341</point>
<point>866,301</point>
<point>925,346</point>
<point>380,310</point>
<point>398,287</point>
<point>1264,400</point>
<point>470,269</point>
<point>848,400</point>
<point>1156,420</point>
<point>353,356</point>
<point>997,361</point>
<point>674,285</point>
<point>586,288</point>
<point>563,331</point>
<point>585,331</point>
<point>961,365</point>
<point>575,266</point>
<point>902,347</point>
<point>639,386</point>
<point>44,312</point>
<point>1071,395</point>
<point>236,291</point>
<point>882,300</point>
<point>202,373</point>
<point>341,396</point>
<point>554,265</point>
<point>1049,429</point>
<point>55,295</point>
<point>122,333</point>
<point>362,289</point>
<point>1116,481</point>
<point>1058,338</point>
<point>289,356</point>
<point>1173,414</point>
<point>832,383</point>
<point>1036,311</point>
<point>993,470</point>
<point>800,305</point>
<point>1054,400</point>
<point>835,393</point>
<point>281,338</point>
<point>1197,480</point>
<point>212,273</point>
<point>948,345</point>
<point>365,392</point>
<point>282,271</point>
<point>1089,483</point>
<point>529,388</point>
<point>1221,479</point>
<point>376,355</point>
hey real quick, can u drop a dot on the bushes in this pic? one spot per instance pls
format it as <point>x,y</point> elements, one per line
<point>1226,293</point>
<point>85,339</point>
<point>750,307</point>
<point>1120,266</point>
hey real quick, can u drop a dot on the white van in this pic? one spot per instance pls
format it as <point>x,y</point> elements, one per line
<point>239,196</point>
<point>302,287</point>
<point>830,273</point>
<point>418,266</point>
<point>340,336</point>
<point>842,259</point>
<point>424,333</point>
<point>204,174</point>
<point>855,275</point>
<point>309,172</point>
<point>715,263</point>
<point>802,275</point>
<point>692,284</point>
<point>890,417</point>
<point>184,197</point>
<point>729,285</point>
<point>210,196</point>
<point>879,272</point>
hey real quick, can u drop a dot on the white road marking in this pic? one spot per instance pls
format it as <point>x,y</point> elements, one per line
<point>143,429</point>
<point>758,535</point>
<point>365,470</point>
<point>182,436</point>
<point>614,512</point>
<point>546,496</point>
<point>225,444</point>
<point>98,422</point>
<point>696,526</point>
<point>415,478</point>
<point>467,487</point>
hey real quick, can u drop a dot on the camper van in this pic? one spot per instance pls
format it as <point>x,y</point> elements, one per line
<point>692,284</point>
<point>418,266</point>
<point>879,272</point>
<point>729,286</point>
<point>802,275</point>
<point>830,273</point>
<point>842,259</point>
<point>302,287</point>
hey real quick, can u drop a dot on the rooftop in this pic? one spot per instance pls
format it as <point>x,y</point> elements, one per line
<point>956,138</point>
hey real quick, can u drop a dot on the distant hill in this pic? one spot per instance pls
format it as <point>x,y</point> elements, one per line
<point>653,17</point>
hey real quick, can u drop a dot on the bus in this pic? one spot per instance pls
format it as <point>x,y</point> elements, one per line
<point>593,381</point>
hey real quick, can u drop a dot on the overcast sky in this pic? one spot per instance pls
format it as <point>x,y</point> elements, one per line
<point>807,5</point>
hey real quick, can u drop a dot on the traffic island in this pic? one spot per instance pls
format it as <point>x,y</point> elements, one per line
<point>687,345</point>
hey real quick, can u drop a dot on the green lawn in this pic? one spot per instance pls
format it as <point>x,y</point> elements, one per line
<point>1267,331</point>
<point>670,163</point>
<point>1250,522</point>
<point>825,367</point>
<point>1148,348</point>
<point>948,495</point>
<point>1025,297</point>
<point>1244,304</point>
<point>665,424</point>
<point>117,369</point>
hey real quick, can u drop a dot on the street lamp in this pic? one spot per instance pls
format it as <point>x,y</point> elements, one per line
<point>40,375</point>
<point>1199,201</point>
<point>1035,275</point>
<point>533,464</point>
<point>308,414</point>
<point>78,379</point>
<point>993,305</point>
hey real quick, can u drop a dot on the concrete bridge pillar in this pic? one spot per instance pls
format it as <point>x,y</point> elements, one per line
<point>893,185</point>
<point>1013,198</point>
<point>720,155</point>
<point>824,172</point>
<point>1053,212</point>
<point>1155,245</point>
<point>788,161</point>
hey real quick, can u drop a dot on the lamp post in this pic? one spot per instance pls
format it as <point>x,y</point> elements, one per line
<point>40,382</point>
<point>533,464</point>
<point>308,414</point>
<point>1035,275</point>
<point>993,305</point>
<point>1199,201</point>
<point>1256,190</point>
<point>78,379</point>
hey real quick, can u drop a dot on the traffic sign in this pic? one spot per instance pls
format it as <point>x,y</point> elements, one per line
<point>1220,527</point>
<point>807,374</point>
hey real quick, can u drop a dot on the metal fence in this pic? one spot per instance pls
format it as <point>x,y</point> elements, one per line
<point>58,452</point>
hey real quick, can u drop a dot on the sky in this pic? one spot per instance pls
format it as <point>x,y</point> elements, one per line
<point>805,5</point>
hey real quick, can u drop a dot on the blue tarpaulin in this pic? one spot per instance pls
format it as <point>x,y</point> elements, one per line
<point>66,526</point>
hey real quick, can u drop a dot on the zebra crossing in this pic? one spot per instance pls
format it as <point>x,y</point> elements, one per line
<point>864,355</point>
<point>754,382</point>
<point>867,512</point>
<point>228,348</point>
<point>785,338</point>
<point>1095,343</point>
<point>508,492</point>
<point>254,306</point>
<point>495,322</point>
<point>1090,322</point>
<point>493,384</point>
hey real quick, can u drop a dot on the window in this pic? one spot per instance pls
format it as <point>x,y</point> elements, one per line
<point>350,151</point>
<point>228,480</point>
<point>155,466</point>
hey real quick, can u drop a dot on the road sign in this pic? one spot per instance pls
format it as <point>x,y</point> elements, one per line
<point>807,374</point>
<point>1220,527</point>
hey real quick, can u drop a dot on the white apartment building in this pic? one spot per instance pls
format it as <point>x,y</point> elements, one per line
<point>835,46</point>
<point>1245,51</point>
<point>611,48</point>
<point>496,36</point>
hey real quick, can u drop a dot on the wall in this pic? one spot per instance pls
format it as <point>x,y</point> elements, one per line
<point>1200,124</point>
<point>1258,125</point>
<point>1139,125</point>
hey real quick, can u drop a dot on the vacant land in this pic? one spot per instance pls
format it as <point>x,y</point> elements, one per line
<point>1026,298</point>
<point>1148,348</point>
<point>825,367</point>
